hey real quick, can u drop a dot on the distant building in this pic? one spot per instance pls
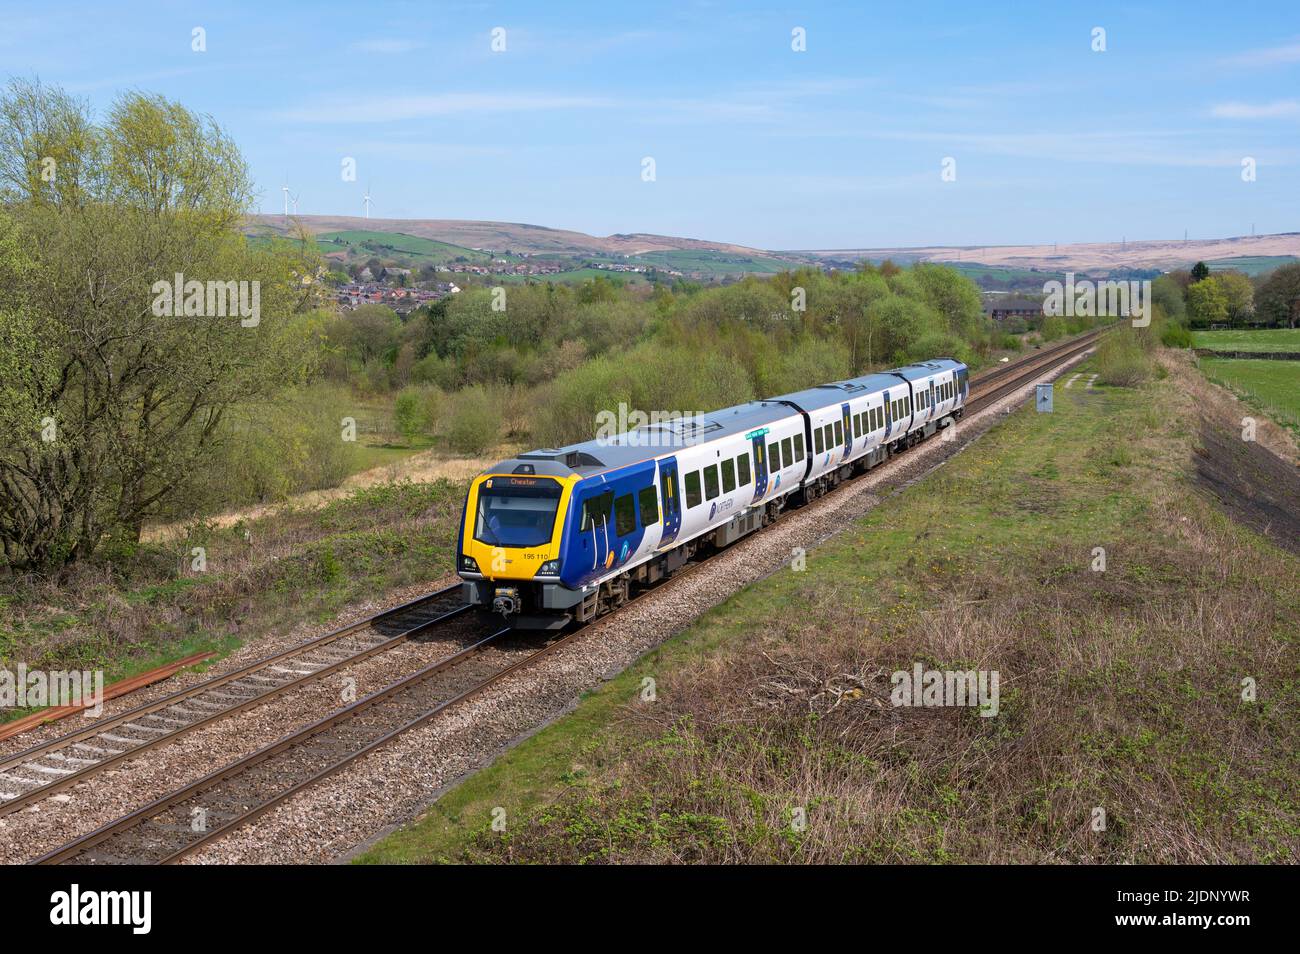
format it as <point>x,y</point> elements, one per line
<point>1003,308</point>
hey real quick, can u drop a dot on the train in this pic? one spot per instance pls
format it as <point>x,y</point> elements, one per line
<point>563,535</point>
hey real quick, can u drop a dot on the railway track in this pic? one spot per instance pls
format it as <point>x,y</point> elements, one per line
<point>993,385</point>
<point>50,767</point>
<point>181,822</point>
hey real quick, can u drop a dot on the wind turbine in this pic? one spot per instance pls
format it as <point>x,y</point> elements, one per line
<point>294,200</point>
<point>285,189</point>
<point>366,200</point>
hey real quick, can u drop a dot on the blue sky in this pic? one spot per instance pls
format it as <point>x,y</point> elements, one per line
<point>838,146</point>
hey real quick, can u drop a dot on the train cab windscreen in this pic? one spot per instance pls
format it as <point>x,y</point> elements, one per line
<point>516,511</point>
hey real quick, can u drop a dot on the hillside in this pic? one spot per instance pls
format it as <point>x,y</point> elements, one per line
<point>501,236</point>
<point>1163,254</point>
<point>419,242</point>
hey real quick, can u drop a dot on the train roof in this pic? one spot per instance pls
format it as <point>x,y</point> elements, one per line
<point>645,442</point>
<point>837,392</point>
<point>656,439</point>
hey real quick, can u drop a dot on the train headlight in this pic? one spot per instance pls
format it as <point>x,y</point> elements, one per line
<point>469,565</point>
<point>549,568</point>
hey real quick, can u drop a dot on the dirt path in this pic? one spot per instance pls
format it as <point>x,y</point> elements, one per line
<point>421,467</point>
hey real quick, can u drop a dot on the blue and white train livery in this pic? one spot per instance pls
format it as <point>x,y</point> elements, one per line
<point>568,533</point>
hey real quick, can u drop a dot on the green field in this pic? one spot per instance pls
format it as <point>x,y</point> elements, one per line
<point>1251,264</point>
<point>1265,339</point>
<point>1120,686</point>
<point>572,276</point>
<point>709,264</point>
<point>1271,387</point>
<point>410,249</point>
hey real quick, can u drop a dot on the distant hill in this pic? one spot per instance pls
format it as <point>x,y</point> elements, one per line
<point>1253,252</point>
<point>500,236</point>
<point>437,242</point>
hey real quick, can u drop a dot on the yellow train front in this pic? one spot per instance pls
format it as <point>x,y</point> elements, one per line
<point>510,543</point>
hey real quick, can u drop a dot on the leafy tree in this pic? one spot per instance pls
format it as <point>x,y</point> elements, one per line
<point>1200,272</point>
<point>1278,300</point>
<point>410,413</point>
<point>1239,294</point>
<point>112,401</point>
<point>1206,304</point>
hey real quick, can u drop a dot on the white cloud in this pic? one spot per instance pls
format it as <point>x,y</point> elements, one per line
<point>1278,109</point>
<point>382,109</point>
<point>1269,56</point>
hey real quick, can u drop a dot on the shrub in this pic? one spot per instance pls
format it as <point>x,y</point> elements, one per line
<point>1122,361</point>
<point>1174,335</point>
<point>411,412</point>
<point>1053,328</point>
<point>472,421</point>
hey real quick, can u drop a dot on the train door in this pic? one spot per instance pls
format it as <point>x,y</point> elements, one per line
<point>594,531</point>
<point>670,501</point>
<point>889,418</point>
<point>933,389</point>
<point>758,439</point>
<point>847,420</point>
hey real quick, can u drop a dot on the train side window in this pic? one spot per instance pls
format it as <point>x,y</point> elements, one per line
<point>624,515</point>
<point>649,501</point>
<point>742,469</point>
<point>710,481</point>
<point>798,447</point>
<point>857,425</point>
<point>829,433</point>
<point>693,497</point>
<point>787,451</point>
<point>774,457</point>
<point>839,433</point>
<point>597,509</point>
<point>728,475</point>
<point>817,441</point>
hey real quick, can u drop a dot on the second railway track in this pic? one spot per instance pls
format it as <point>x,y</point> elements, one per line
<point>43,770</point>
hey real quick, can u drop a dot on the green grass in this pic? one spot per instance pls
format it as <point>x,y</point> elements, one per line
<point>711,264</point>
<point>1251,264</point>
<point>572,276</point>
<point>1263,339</point>
<point>410,249</point>
<point>1112,700</point>
<point>1271,387</point>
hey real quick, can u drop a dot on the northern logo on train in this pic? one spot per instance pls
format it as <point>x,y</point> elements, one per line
<point>622,554</point>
